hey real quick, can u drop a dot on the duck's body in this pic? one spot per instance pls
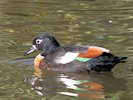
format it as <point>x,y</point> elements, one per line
<point>72,58</point>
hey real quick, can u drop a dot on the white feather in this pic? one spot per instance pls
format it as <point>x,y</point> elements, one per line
<point>68,57</point>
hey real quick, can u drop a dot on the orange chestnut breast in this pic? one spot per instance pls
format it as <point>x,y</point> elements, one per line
<point>37,61</point>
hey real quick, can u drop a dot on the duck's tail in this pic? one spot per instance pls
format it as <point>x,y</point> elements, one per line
<point>105,62</point>
<point>121,59</point>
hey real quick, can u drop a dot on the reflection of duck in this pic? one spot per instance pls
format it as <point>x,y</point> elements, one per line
<point>93,86</point>
<point>72,58</point>
<point>89,89</point>
<point>111,84</point>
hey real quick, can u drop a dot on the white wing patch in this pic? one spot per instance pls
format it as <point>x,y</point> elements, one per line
<point>68,57</point>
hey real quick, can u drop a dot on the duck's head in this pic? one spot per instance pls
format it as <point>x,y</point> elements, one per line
<point>44,42</point>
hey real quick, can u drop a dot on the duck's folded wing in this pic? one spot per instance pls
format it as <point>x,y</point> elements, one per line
<point>91,52</point>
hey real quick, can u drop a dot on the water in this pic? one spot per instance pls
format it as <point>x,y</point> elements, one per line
<point>106,23</point>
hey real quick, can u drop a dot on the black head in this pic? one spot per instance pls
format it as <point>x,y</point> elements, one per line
<point>44,42</point>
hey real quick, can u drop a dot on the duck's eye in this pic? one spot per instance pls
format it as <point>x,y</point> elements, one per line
<point>38,41</point>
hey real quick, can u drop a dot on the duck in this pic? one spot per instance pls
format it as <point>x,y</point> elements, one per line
<point>71,58</point>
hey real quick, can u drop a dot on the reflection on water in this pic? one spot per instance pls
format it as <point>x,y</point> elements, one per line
<point>106,23</point>
<point>92,89</point>
<point>93,86</point>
